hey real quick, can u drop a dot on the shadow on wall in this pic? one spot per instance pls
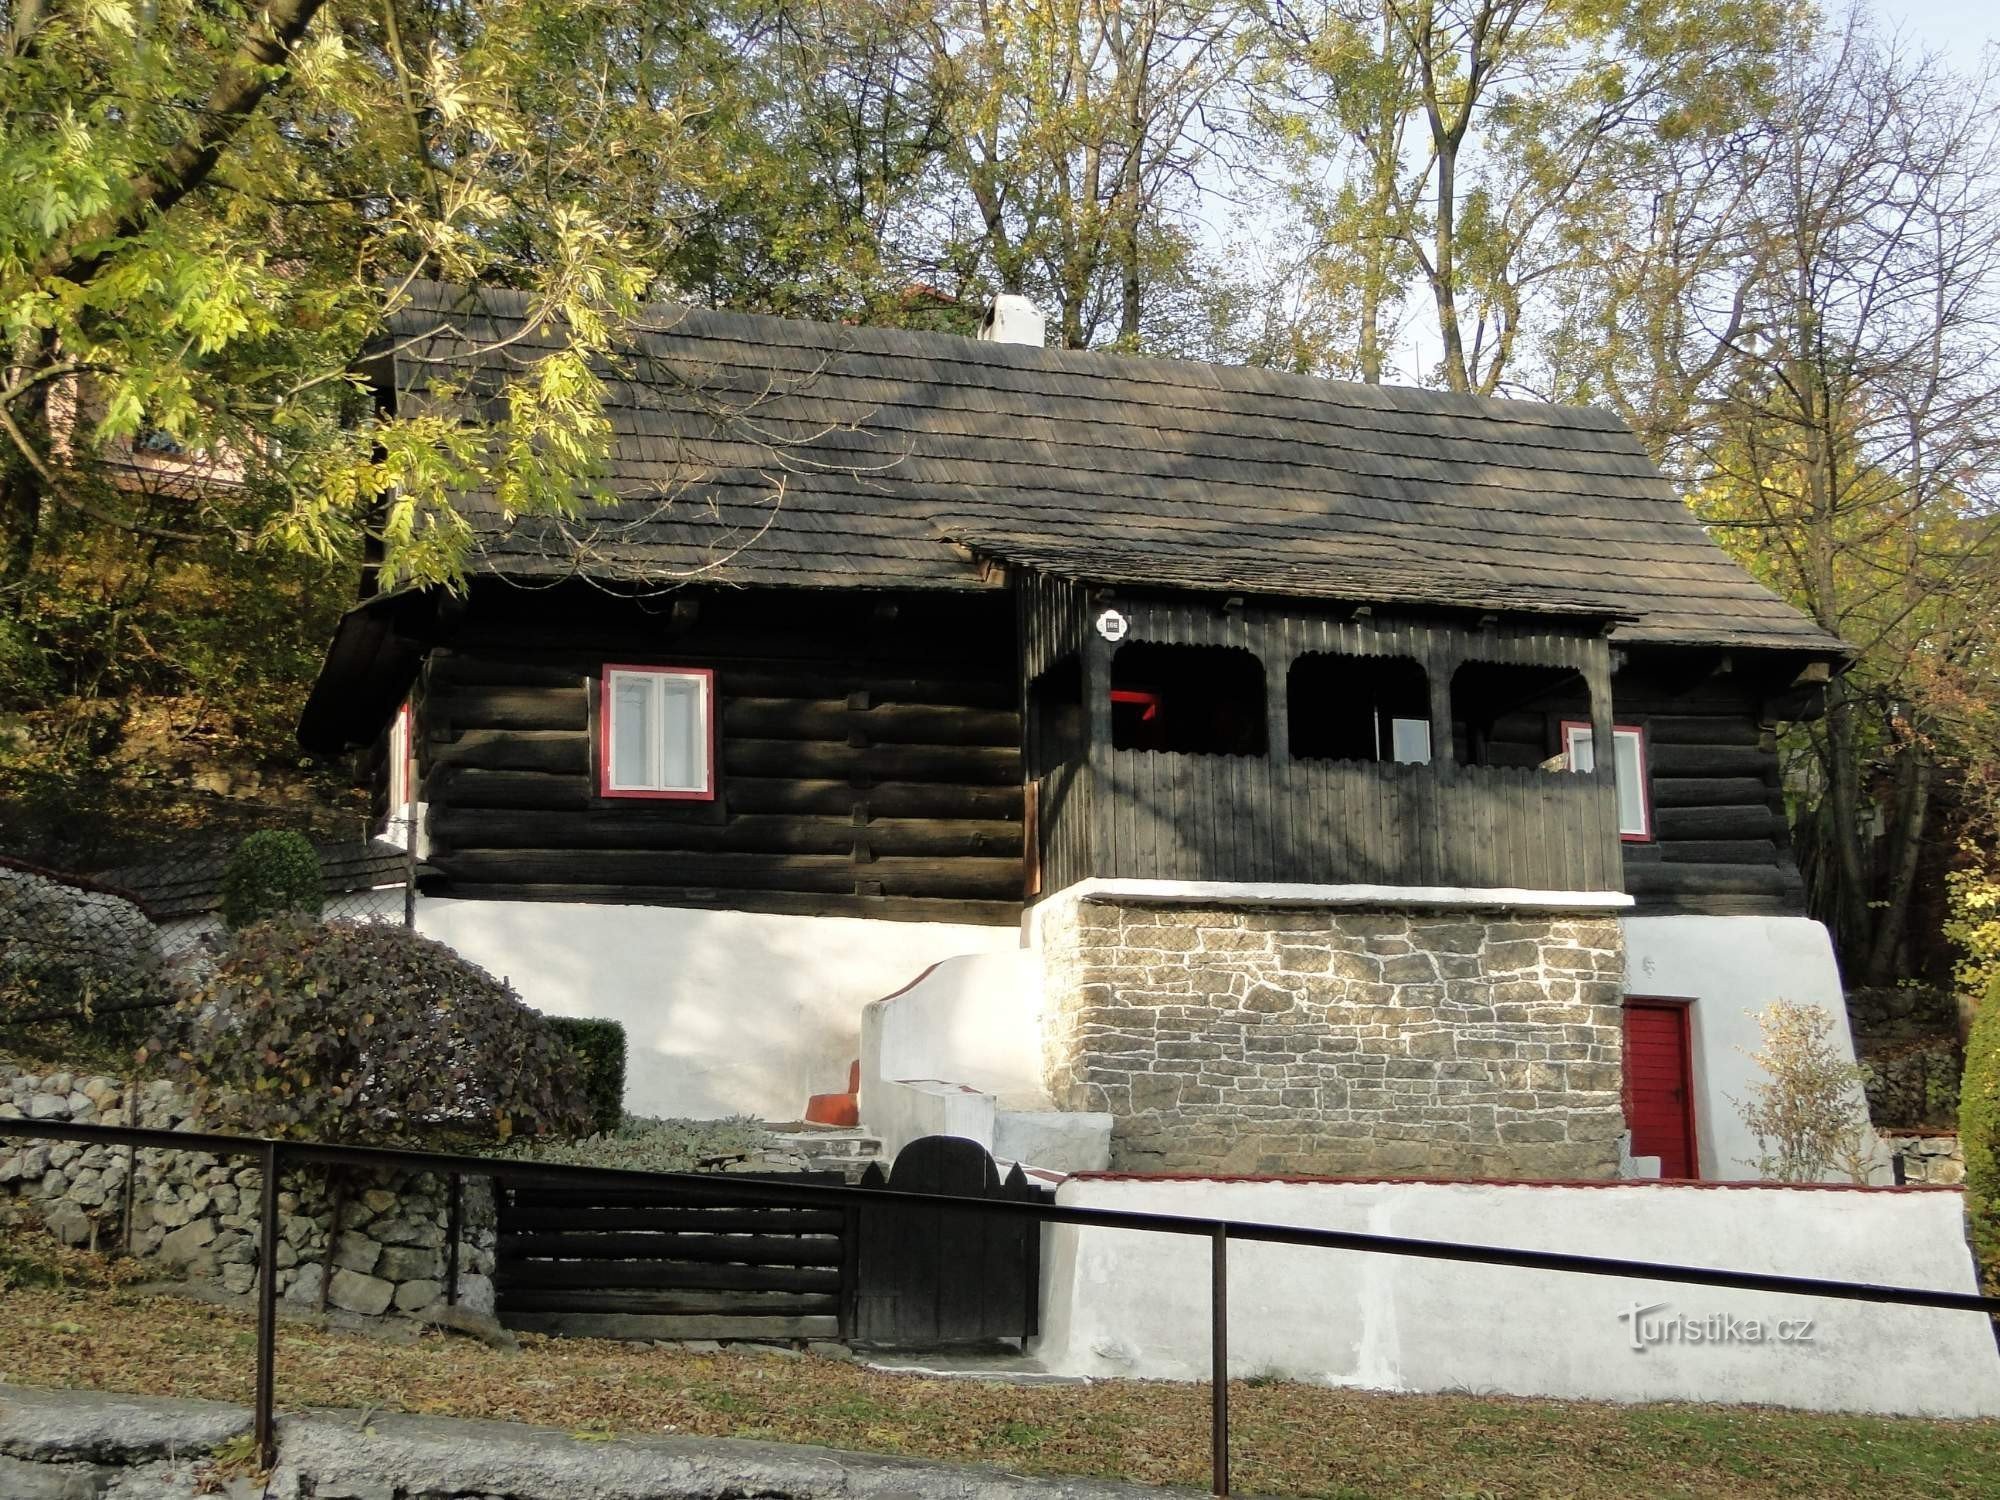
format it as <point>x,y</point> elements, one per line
<point>725,1013</point>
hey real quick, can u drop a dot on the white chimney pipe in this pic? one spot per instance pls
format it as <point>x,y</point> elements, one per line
<point>1013,320</point>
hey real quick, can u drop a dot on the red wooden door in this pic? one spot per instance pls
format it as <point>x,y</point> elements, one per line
<point>1659,1088</point>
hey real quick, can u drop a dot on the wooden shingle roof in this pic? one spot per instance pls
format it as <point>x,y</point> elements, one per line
<point>757,450</point>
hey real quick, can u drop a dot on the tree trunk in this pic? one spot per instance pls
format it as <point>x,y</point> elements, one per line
<point>1444,273</point>
<point>1915,774</point>
<point>1844,831</point>
<point>21,497</point>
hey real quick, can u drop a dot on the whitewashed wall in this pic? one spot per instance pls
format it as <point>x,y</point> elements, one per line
<point>1731,968</point>
<point>1122,1303</point>
<point>959,1052</point>
<point>725,1012</point>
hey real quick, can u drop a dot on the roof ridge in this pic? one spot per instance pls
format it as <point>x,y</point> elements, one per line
<point>1093,363</point>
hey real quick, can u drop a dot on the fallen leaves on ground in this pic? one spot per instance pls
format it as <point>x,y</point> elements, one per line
<point>1288,1438</point>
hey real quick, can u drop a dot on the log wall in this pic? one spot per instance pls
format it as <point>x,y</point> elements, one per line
<point>868,758</point>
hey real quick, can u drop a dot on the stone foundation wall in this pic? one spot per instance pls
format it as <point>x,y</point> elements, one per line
<point>1327,1040</point>
<point>196,1216</point>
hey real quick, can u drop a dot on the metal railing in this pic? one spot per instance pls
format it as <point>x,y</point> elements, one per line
<point>275,1156</point>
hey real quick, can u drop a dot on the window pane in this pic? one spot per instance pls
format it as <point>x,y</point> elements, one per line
<point>1581,747</point>
<point>1345,707</point>
<point>1631,783</point>
<point>1412,741</point>
<point>683,735</point>
<point>631,729</point>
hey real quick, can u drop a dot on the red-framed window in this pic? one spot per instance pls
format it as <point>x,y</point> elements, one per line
<point>402,762</point>
<point>656,732</point>
<point>1635,793</point>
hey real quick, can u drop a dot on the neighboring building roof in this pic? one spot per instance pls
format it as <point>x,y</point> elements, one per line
<point>818,455</point>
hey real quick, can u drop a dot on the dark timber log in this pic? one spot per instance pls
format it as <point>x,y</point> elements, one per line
<point>883,723</point>
<point>630,826</point>
<point>1709,760</point>
<point>996,765</point>
<point>1705,729</point>
<point>982,879</point>
<point>1709,791</point>
<point>793,903</point>
<point>1674,879</point>
<point>516,750</point>
<point>760,679</point>
<point>1673,823</point>
<point>464,787</point>
<point>1718,851</point>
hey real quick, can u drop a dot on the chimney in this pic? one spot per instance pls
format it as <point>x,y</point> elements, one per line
<point>1012,320</point>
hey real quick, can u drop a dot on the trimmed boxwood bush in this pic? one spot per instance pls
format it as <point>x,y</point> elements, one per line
<point>1979,1134</point>
<point>359,1031</point>
<point>600,1047</point>
<point>273,871</point>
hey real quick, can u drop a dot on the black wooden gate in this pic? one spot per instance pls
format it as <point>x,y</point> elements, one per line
<point>931,1276</point>
<point>663,1264</point>
<point>701,1263</point>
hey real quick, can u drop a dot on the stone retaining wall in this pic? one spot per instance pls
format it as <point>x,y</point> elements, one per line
<point>1934,1157</point>
<point>1328,1040</point>
<point>196,1215</point>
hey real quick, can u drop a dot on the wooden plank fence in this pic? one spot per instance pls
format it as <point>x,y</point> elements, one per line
<point>691,1263</point>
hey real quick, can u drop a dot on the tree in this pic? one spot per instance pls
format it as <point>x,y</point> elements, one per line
<point>216,213</point>
<point>1079,131</point>
<point>1847,447</point>
<point>210,214</point>
<point>1473,145</point>
<point>1808,1111</point>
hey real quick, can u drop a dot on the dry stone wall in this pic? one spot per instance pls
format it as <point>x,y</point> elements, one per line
<point>1328,1040</point>
<point>196,1216</point>
<point>1931,1157</point>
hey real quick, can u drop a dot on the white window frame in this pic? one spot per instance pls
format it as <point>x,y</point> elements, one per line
<point>1577,737</point>
<point>702,789</point>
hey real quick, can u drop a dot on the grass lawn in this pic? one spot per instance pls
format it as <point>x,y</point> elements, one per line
<point>65,1322</point>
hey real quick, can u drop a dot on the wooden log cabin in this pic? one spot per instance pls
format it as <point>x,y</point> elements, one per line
<point>894,640</point>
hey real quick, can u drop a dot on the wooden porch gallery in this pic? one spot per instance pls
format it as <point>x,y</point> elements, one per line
<point>1274,811</point>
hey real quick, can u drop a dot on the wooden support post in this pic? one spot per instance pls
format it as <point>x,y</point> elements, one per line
<point>454,1223</point>
<point>267,1309</point>
<point>1218,1350</point>
<point>131,1187</point>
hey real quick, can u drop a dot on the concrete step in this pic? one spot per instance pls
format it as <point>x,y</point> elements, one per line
<point>1059,1140</point>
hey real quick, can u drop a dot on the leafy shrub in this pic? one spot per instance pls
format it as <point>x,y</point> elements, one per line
<point>650,1145</point>
<point>364,1031</point>
<point>1979,1134</point>
<point>1807,1114</point>
<point>273,871</point>
<point>600,1047</point>
<point>1973,898</point>
<point>88,954</point>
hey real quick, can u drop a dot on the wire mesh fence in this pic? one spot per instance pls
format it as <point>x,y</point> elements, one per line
<point>113,911</point>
